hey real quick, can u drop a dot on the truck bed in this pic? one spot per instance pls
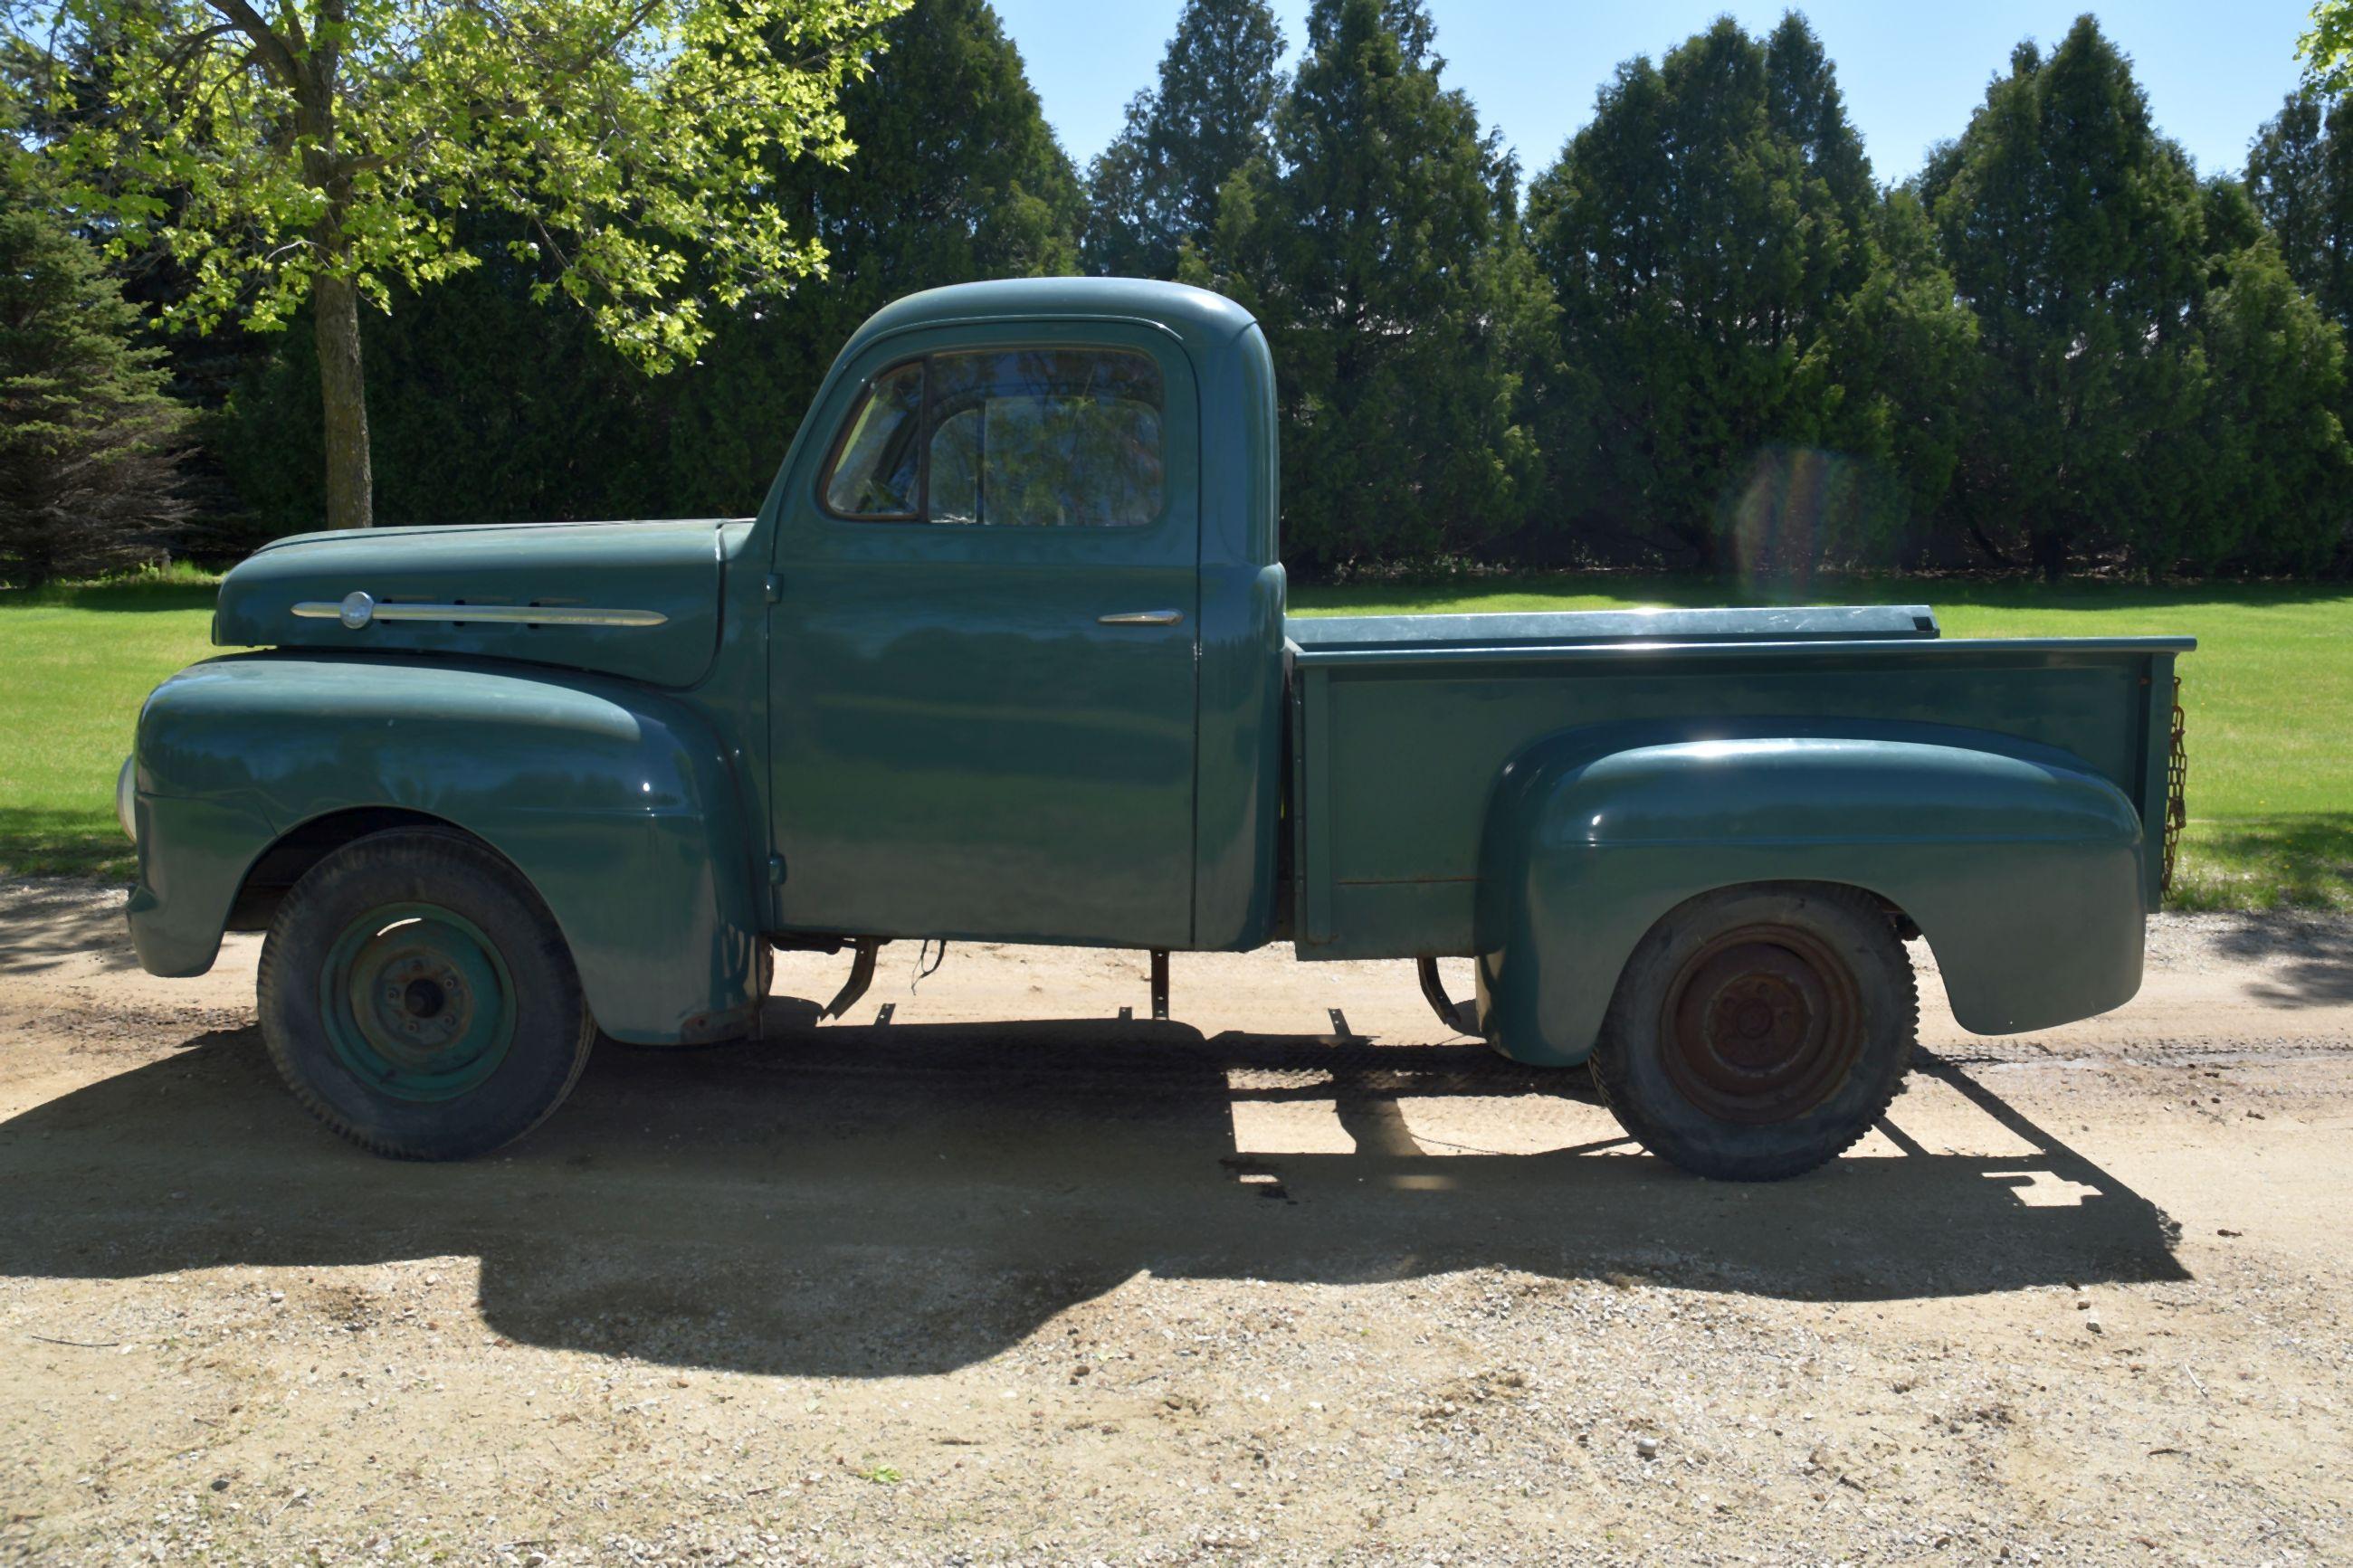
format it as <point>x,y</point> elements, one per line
<point>1400,725</point>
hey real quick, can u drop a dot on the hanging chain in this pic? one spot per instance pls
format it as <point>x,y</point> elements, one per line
<point>2177,778</point>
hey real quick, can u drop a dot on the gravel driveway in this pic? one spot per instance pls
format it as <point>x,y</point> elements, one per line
<point>1299,1278</point>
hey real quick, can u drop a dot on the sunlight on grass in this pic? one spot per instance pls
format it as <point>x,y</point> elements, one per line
<point>78,661</point>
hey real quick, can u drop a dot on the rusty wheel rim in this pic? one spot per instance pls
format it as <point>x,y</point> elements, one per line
<point>1761,1025</point>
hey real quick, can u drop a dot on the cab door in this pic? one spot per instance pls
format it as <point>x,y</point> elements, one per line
<point>982,643</point>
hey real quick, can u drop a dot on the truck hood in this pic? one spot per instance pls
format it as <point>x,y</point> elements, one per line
<point>634,599</point>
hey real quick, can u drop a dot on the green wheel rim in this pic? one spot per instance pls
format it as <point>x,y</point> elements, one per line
<point>418,1003</point>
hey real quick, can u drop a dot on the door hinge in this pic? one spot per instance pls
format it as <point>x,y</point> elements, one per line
<point>776,589</point>
<point>776,871</point>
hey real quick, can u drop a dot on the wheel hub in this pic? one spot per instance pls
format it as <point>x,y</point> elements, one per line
<point>418,1002</point>
<point>1761,1024</point>
<point>424,998</point>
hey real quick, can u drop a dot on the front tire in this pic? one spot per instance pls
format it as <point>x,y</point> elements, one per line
<point>1758,1032</point>
<point>417,997</point>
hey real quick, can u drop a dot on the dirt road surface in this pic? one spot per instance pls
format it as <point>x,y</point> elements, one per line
<point>1300,1278</point>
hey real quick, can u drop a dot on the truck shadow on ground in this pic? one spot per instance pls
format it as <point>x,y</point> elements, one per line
<point>884,1201</point>
<point>2312,958</point>
<point>48,923</point>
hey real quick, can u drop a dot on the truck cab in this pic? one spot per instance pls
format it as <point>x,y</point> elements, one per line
<point>1025,655</point>
<point>1005,655</point>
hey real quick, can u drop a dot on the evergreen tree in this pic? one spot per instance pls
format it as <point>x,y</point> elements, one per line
<point>1751,364</point>
<point>88,438</point>
<point>1804,107</point>
<point>1154,189</point>
<point>2270,456</point>
<point>2075,232</point>
<point>1378,249</point>
<point>2300,174</point>
<point>486,406</point>
<point>1892,378</point>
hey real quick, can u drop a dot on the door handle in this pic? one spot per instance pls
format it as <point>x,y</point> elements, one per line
<point>1143,618</point>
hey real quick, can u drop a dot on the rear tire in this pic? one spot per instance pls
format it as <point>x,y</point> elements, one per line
<point>419,998</point>
<point>1758,1032</point>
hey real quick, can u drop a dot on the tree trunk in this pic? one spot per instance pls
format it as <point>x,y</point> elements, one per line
<point>351,486</point>
<point>2050,554</point>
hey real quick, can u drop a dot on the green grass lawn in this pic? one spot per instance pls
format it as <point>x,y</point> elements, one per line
<point>2270,695</point>
<point>75,663</point>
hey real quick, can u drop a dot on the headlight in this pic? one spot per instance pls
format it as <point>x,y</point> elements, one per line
<point>126,799</point>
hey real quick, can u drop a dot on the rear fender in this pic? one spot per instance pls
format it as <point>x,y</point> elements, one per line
<point>619,804</point>
<point>2020,865</point>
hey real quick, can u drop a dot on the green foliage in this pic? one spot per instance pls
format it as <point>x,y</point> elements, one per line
<point>2326,48</point>
<point>1745,362</point>
<point>1154,191</point>
<point>89,477</point>
<point>957,177</point>
<point>2269,454</point>
<point>1893,374</point>
<point>1714,339</point>
<point>333,150</point>
<point>2104,418</point>
<point>344,138</point>
<point>486,406</point>
<point>1379,250</point>
<point>2300,176</point>
<point>489,408</point>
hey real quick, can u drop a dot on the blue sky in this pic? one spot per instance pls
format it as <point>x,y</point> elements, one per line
<point>1911,71</point>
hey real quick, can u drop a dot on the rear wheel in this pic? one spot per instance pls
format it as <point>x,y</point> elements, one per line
<point>419,998</point>
<point>1758,1032</point>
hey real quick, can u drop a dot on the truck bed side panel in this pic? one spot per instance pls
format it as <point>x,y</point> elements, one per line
<point>1399,755</point>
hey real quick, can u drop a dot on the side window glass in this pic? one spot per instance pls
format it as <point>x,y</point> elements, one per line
<point>956,467</point>
<point>1017,439</point>
<point>1055,437</point>
<point>876,469</point>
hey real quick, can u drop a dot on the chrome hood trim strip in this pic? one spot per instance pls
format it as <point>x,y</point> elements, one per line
<point>356,610</point>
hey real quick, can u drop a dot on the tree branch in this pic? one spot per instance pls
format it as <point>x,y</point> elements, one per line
<point>271,47</point>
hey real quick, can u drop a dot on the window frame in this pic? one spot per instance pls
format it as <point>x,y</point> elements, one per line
<point>922,515</point>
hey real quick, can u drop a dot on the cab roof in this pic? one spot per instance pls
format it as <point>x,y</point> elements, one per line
<point>1199,318</point>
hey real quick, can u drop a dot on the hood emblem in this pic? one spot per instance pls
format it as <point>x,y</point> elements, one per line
<point>357,610</point>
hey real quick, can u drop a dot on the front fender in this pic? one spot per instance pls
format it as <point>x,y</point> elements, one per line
<point>618,803</point>
<point>2020,865</point>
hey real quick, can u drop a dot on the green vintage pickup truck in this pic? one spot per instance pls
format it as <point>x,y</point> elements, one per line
<point>1005,656</point>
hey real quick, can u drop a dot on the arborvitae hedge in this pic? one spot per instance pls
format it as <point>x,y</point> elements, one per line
<point>1711,339</point>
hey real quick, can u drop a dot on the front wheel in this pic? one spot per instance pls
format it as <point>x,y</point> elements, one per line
<point>419,1000</point>
<point>1758,1032</point>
